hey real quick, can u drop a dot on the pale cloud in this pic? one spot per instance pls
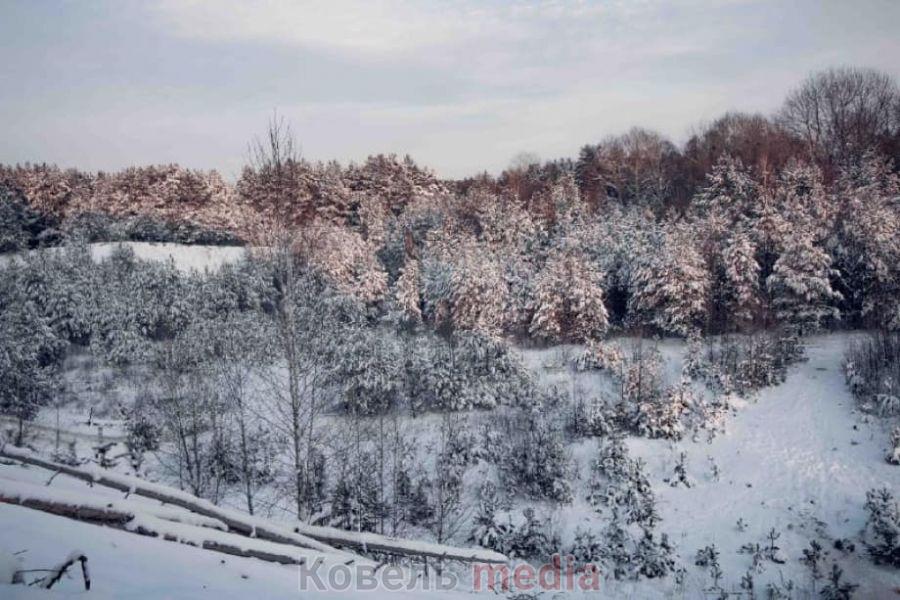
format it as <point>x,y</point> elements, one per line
<point>381,27</point>
<point>462,86</point>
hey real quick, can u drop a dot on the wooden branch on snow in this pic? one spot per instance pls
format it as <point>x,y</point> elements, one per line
<point>57,573</point>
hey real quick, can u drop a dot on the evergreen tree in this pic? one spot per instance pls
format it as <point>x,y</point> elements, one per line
<point>670,287</point>
<point>569,300</point>
<point>800,285</point>
<point>741,293</point>
<point>30,355</point>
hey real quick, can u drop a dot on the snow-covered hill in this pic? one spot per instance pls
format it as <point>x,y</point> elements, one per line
<point>798,459</point>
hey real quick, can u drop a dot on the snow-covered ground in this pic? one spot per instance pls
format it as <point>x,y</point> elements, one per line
<point>797,458</point>
<point>185,258</point>
<point>126,565</point>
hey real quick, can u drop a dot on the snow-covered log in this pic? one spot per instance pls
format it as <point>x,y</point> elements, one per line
<point>85,507</point>
<point>136,518</point>
<point>235,521</point>
<point>323,539</point>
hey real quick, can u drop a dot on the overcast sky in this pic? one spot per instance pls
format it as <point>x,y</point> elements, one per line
<point>461,86</point>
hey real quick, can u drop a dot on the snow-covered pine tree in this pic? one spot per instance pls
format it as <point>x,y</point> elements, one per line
<point>406,291</point>
<point>479,292</point>
<point>30,355</point>
<point>349,261</point>
<point>800,285</point>
<point>801,198</point>
<point>661,417</point>
<point>535,461</point>
<point>569,299</point>
<point>671,284</point>
<point>882,532</point>
<point>486,530</point>
<point>730,191</point>
<point>741,285</point>
<point>370,370</point>
<point>867,249</point>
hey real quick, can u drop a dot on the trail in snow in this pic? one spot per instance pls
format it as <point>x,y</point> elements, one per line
<point>799,458</point>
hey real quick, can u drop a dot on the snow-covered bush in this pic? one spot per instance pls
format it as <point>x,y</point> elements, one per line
<point>533,538</point>
<point>837,587</point>
<point>142,434</point>
<point>586,547</point>
<point>623,554</point>
<point>370,370</point>
<point>653,557</point>
<point>618,483</point>
<point>468,370</point>
<point>533,459</point>
<point>872,369</point>
<point>487,531</point>
<point>680,475</point>
<point>529,538</point>
<point>662,417</point>
<point>882,534</point>
<point>600,356</point>
<point>893,455</point>
<point>593,417</point>
<point>647,409</point>
<point>743,364</point>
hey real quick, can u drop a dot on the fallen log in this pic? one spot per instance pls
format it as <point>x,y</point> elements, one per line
<point>65,505</point>
<point>323,539</point>
<point>235,521</point>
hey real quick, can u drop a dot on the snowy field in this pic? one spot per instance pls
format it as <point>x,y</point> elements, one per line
<point>184,257</point>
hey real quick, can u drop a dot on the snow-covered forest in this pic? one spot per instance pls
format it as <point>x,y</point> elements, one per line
<point>677,363</point>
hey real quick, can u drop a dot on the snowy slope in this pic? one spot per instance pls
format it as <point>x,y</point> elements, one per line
<point>127,565</point>
<point>798,459</point>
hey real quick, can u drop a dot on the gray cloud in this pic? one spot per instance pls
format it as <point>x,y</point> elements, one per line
<point>460,86</point>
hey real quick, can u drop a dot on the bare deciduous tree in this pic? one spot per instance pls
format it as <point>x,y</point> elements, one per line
<point>840,113</point>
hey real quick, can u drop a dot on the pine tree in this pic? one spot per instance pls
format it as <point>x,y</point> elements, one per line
<point>671,285</point>
<point>741,285</point>
<point>486,531</point>
<point>730,191</point>
<point>867,251</point>
<point>407,293</point>
<point>569,300</point>
<point>800,285</point>
<point>479,292</point>
<point>30,354</point>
